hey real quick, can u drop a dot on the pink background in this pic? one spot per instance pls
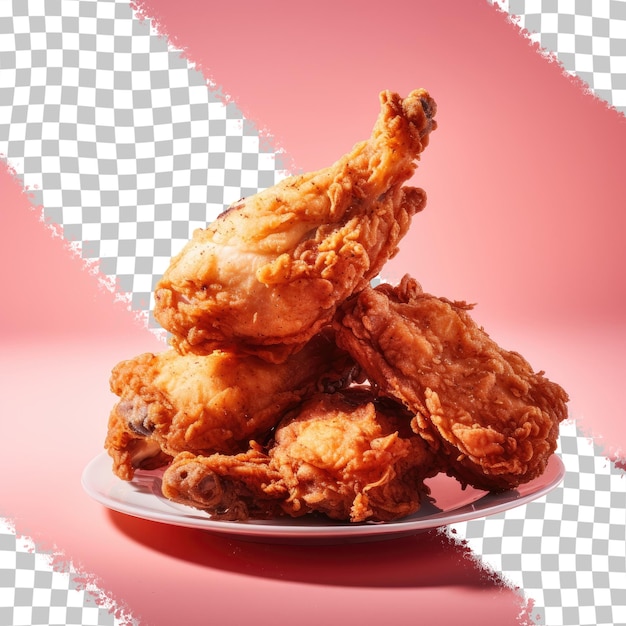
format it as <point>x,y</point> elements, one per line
<point>525,217</point>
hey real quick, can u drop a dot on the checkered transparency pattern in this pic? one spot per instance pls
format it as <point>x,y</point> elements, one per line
<point>567,550</point>
<point>119,137</point>
<point>32,591</point>
<point>587,37</point>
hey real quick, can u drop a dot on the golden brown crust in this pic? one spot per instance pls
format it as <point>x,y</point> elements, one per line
<point>229,487</point>
<point>351,457</point>
<point>215,402</point>
<point>483,408</point>
<point>346,455</point>
<point>269,272</point>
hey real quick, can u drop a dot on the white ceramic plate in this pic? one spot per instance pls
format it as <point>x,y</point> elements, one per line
<point>449,504</point>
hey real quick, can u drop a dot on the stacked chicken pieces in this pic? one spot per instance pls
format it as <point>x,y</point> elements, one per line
<point>294,387</point>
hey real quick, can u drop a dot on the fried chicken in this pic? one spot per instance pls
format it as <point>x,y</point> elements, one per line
<point>346,455</point>
<point>351,456</point>
<point>171,403</point>
<point>492,420</point>
<point>269,272</point>
<point>227,486</point>
<point>254,410</point>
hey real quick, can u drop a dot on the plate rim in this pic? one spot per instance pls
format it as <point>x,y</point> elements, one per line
<point>485,505</point>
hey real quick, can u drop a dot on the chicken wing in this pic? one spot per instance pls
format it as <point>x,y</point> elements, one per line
<point>346,455</point>
<point>171,403</point>
<point>269,272</point>
<point>491,418</point>
<point>228,486</point>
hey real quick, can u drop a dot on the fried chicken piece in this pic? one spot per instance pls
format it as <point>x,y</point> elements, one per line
<point>228,486</point>
<point>269,272</point>
<point>347,455</point>
<point>351,456</point>
<point>492,419</point>
<point>170,403</point>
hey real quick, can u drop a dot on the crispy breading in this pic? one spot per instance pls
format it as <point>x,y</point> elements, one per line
<point>269,272</point>
<point>346,455</point>
<point>352,457</point>
<point>492,418</point>
<point>170,403</point>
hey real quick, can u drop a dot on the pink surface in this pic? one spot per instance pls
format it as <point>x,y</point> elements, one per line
<point>525,188</point>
